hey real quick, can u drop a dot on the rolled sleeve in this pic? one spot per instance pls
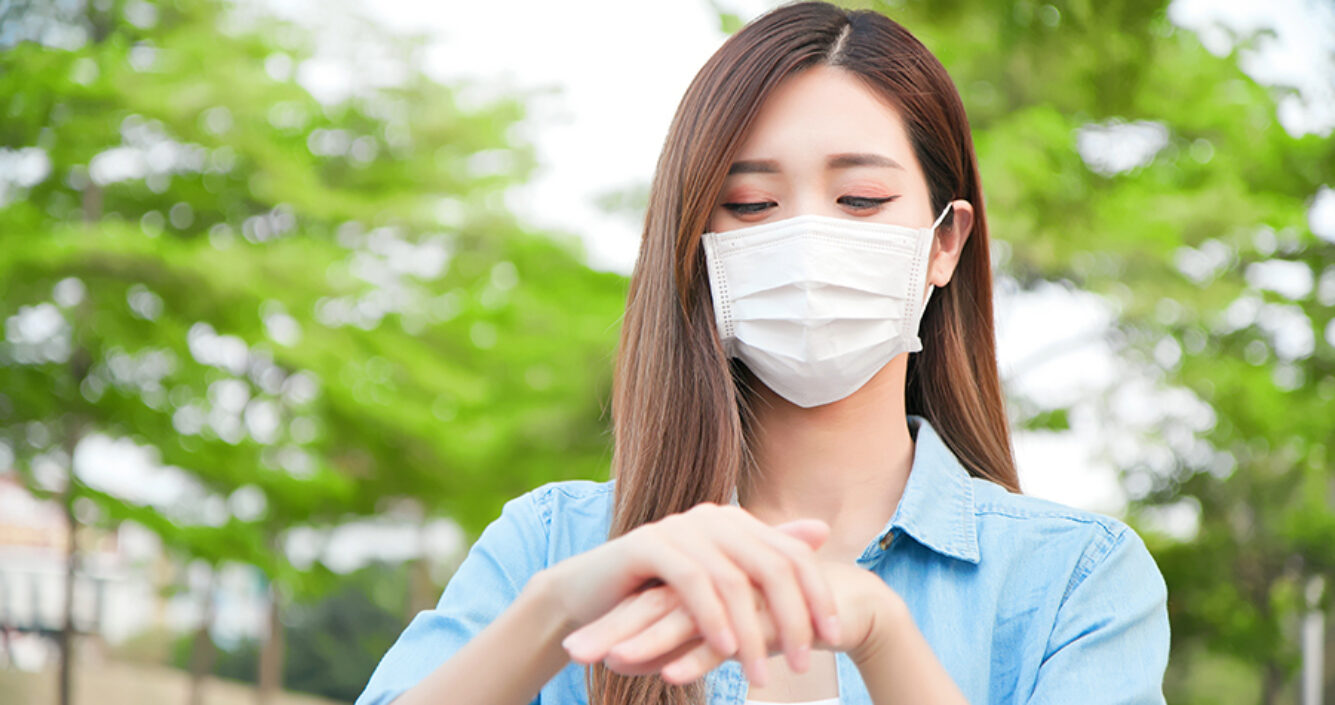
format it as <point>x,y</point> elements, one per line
<point>509,551</point>
<point>1110,640</point>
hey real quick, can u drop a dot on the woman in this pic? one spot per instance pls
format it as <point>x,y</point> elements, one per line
<point>814,498</point>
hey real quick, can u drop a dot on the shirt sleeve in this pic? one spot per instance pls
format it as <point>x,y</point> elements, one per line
<point>507,553</point>
<point>1110,640</point>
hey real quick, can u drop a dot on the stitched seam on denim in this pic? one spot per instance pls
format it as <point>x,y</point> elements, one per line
<point>598,488</point>
<point>1085,560</point>
<point>1104,523</point>
<point>1088,563</point>
<point>964,498</point>
<point>543,500</point>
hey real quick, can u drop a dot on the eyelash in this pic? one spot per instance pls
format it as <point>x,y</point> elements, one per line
<point>751,208</point>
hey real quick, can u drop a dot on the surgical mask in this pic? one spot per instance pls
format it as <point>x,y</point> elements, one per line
<point>816,305</point>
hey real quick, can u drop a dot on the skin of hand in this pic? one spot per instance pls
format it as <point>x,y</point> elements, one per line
<point>653,632</point>
<point>711,557</point>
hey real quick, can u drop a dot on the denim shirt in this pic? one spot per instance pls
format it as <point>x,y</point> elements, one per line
<point>1022,600</point>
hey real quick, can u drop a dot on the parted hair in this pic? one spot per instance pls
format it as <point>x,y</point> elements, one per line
<point>679,404</point>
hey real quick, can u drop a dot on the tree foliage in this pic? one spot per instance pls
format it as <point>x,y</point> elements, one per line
<point>308,311</point>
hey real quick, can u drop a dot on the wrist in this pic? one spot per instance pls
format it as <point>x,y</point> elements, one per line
<point>542,591</point>
<point>889,616</point>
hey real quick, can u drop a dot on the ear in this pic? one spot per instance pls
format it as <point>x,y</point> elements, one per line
<point>949,243</point>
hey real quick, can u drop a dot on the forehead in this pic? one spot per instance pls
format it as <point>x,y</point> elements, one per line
<point>825,110</point>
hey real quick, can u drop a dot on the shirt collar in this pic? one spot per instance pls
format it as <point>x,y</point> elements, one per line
<point>937,507</point>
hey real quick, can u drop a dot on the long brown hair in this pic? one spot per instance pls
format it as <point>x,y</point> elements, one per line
<point>679,405</point>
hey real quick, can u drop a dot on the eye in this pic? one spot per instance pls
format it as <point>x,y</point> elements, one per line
<point>862,203</point>
<point>748,208</point>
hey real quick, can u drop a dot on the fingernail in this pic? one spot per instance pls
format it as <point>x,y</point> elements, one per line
<point>729,642</point>
<point>759,673</point>
<point>573,643</point>
<point>832,629</point>
<point>674,672</point>
<point>801,658</point>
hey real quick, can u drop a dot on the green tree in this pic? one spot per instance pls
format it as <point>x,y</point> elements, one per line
<point>308,311</point>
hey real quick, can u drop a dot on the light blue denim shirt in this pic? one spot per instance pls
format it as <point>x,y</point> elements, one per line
<point>1023,600</point>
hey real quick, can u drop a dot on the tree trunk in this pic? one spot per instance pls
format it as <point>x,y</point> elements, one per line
<point>271,653</point>
<point>422,591</point>
<point>92,203</point>
<point>1272,682</point>
<point>201,651</point>
<point>66,641</point>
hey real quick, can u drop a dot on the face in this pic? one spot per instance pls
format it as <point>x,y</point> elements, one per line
<point>825,144</point>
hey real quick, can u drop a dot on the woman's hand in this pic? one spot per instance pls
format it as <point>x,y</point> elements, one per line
<point>710,556</point>
<point>652,631</point>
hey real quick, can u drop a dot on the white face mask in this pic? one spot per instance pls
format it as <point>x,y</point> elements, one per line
<point>816,305</point>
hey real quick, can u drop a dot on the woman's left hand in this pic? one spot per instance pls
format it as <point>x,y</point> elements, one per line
<point>651,632</point>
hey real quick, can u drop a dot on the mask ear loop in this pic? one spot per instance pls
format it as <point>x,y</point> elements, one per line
<point>930,287</point>
<point>942,217</point>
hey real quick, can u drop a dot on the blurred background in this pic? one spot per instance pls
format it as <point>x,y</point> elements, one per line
<point>296,293</point>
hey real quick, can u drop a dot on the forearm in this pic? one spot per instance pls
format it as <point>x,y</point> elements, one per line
<point>898,665</point>
<point>506,663</point>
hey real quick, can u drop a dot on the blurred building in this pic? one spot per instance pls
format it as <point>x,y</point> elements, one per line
<point>116,587</point>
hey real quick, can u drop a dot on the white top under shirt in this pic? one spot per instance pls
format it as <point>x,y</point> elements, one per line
<point>831,701</point>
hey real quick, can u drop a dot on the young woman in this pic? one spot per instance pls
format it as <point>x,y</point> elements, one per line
<point>814,498</point>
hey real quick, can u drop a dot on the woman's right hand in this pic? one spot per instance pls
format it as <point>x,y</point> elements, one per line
<point>710,555</point>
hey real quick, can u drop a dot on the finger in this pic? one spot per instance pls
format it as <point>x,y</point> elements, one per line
<point>737,593</point>
<point>799,539</point>
<point>815,586</point>
<point>812,532</point>
<point>693,664</point>
<point>591,642</point>
<point>658,639</point>
<point>781,576</point>
<point>693,583</point>
<point>656,665</point>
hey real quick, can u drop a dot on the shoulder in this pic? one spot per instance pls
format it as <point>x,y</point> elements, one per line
<point>1070,541</point>
<point>562,493</point>
<point>994,502</point>
<point>576,515</point>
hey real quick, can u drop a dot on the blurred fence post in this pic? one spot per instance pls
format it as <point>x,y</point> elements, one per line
<point>1314,633</point>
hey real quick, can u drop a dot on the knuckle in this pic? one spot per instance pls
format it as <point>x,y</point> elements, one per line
<point>649,532</point>
<point>697,578</point>
<point>658,597</point>
<point>801,550</point>
<point>732,580</point>
<point>773,569</point>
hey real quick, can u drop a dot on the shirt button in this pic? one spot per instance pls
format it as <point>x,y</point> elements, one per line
<point>886,540</point>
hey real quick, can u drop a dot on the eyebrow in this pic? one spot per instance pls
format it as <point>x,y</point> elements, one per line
<point>834,161</point>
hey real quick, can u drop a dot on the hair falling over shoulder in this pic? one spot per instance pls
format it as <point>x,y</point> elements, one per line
<point>679,405</point>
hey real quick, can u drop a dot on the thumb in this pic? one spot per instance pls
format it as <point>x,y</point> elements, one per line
<point>813,531</point>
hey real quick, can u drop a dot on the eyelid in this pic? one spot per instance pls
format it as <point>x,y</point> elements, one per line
<point>874,199</point>
<point>748,207</point>
<point>752,207</point>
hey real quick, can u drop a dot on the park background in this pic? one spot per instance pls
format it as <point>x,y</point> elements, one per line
<point>295,294</point>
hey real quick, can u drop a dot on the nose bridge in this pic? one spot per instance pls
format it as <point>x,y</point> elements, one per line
<point>809,195</point>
